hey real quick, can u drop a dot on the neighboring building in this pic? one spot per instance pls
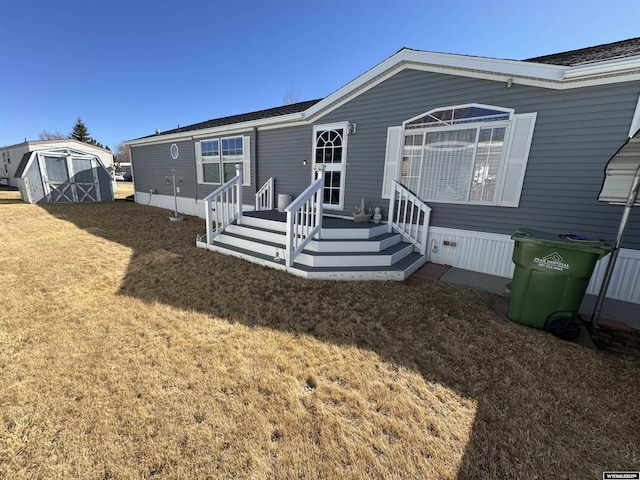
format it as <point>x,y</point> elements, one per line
<point>10,156</point>
<point>490,145</point>
<point>63,175</point>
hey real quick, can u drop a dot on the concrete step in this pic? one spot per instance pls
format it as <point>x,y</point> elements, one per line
<point>332,228</point>
<point>397,272</point>
<point>348,256</point>
<point>384,258</point>
<point>258,233</point>
<point>373,244</point>
<point>251,244</point>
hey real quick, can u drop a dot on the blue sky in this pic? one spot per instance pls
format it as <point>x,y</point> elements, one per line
<point>127,68</point>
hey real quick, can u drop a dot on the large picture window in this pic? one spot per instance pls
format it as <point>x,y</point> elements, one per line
<point>472,154</point>
<point>217,159</point>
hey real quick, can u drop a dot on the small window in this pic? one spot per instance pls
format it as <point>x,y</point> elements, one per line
<point>458,115</point>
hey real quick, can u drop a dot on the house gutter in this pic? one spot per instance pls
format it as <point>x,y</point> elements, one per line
<point>633,193</point>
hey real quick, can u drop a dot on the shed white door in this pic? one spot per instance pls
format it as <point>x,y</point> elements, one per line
<point>69,178</point>
<point>330,150</point>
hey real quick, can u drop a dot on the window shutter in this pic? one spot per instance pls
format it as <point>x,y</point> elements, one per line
<point>517,157</point>
<point>635,122</point>
<point>246,161</point>
<point>199,163</point>
<point>391,159</point>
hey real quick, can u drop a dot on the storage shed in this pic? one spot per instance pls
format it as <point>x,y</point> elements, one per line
<point>63,175</point>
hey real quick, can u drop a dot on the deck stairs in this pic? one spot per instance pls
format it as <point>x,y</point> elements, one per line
<point>345,251</point>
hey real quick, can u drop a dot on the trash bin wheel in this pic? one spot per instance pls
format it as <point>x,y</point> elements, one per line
<point>564,328</point>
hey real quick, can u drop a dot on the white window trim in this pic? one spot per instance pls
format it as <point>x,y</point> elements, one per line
<point>510,111</point>
<point>477,126</point>
<point>244,159</point>
<point>344,126</point>
<point>509,165</point>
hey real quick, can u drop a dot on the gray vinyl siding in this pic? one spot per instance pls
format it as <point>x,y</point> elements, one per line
<point>152,164</point>
<point>282,153</point>
<point>576,133</point>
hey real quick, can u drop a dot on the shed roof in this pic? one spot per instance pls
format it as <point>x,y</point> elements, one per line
<point>42,144</point>
<point>22,165</point>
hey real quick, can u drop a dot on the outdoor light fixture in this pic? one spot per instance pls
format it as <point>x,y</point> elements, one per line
<point>351,128</point>
<point>304,162</point>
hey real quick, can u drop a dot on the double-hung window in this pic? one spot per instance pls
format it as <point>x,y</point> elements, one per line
<point>471,154</point>
<point>216,159</point>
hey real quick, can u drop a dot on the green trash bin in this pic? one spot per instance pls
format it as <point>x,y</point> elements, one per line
<point>551,277</point>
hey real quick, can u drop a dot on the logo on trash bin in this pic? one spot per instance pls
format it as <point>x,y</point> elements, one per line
<point>554,261</point>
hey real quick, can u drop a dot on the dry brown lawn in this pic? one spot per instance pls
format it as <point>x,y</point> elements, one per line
<point>127,353</point>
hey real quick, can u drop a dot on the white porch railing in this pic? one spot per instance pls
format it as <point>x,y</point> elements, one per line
<point>264,196</point>
<point>304,217</point>
<point>409,216</point>
<point>223,206</point>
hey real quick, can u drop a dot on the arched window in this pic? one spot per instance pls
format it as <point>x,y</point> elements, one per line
<point>462,154</point>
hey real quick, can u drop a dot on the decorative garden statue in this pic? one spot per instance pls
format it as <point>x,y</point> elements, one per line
<point>361,215</point>
<point>377,216</point>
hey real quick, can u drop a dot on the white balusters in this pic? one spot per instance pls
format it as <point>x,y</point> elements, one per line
<point>304,217</point>
<point>223,206</point>
<point>264,196</point>
<point>409,216</point>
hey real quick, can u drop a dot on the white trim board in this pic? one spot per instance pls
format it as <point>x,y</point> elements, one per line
<point>186,205</point>
<point>491,253</point>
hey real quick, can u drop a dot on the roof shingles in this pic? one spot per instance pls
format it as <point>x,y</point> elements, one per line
<point>245,117</point>
<point>599,53</point>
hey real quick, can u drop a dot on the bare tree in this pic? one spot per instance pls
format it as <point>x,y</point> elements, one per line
<point>122,154</point>
<point>290,97</point>
<point>46,135</point>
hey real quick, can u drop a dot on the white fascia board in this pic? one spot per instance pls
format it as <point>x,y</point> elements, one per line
<point>223,129</point>
<point>556,77</point>
<point>478,67</point>
<point>610,67</point>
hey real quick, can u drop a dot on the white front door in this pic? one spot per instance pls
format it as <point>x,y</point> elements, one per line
<point>330,150</point>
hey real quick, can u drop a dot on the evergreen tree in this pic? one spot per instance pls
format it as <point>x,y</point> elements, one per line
<point>80,132</point>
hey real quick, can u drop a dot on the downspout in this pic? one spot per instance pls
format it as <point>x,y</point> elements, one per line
<point>633,193</point>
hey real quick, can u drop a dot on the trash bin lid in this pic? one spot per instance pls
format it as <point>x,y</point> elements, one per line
<point>565,240</point>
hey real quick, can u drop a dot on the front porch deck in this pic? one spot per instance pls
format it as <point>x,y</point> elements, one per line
<point>346,250</point>
<point>328,222</point>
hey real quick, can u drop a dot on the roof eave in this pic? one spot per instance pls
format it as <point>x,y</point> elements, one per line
<point>204,132</point>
